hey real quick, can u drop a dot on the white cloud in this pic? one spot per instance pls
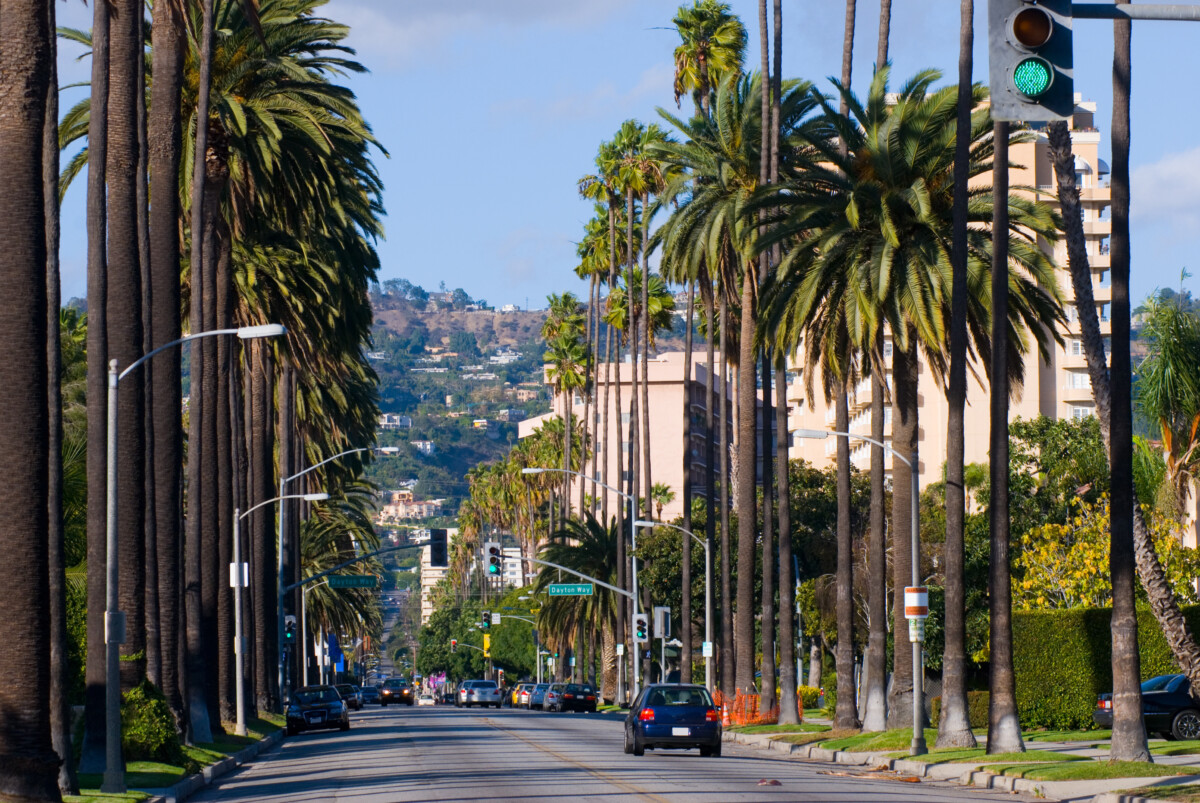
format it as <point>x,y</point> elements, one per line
<point>1168,192</point>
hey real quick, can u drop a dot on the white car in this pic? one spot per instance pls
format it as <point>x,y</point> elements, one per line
<point>479,692</point>
<point>425,699</point>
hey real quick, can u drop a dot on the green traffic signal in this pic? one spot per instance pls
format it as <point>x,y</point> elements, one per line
<point>1032,76</point>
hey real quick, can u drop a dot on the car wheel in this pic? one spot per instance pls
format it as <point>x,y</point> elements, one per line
<point>383,705</point>
<point>346,725</point>
<point>711,750</point>
<point>628,746</point>
<point>638,748</point>
<point>290,731</point>
<point>1186,725</point>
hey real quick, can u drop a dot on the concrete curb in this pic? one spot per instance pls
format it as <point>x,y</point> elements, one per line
<point>193,783</point>
<point>1117,797</point>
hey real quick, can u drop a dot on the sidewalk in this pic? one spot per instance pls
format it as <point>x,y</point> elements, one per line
<point>193,783</point>
<point>968,774</point>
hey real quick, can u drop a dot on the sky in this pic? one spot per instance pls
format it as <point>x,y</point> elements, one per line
<point>491,110</point>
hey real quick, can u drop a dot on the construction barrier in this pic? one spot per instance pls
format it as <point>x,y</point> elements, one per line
<point>743,709</point>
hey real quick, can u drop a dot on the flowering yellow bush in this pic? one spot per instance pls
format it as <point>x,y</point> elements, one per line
<point>1066,565</point>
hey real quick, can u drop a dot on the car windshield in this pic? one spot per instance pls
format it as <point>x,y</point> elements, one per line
<point>395,683</point>
<point>689,697</point>
<point>485,684</point>
<point>541,687</point>
<point>575,688</point>
<point>317,696</point>
<point>1159,683</point>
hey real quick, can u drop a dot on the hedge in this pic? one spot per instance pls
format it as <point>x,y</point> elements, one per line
<point>977,709</point>
<point>1063,661</point>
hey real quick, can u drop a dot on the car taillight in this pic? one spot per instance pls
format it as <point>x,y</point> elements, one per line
<point>568,696</point>
<point>711,715</point>
<point>591,697</point>
<point>646,715</point>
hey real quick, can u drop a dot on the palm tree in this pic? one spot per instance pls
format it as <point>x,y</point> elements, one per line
<point>568,374</point>
<point>954,729</point>
<point>712,44</point>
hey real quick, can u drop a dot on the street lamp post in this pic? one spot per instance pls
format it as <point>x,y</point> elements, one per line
<point>636,600</point>
<point>238,581</point>
<point>279,587</point>
<point>708,592</point>
<point>304,630</point>
<point>916,634</point>
<point>114,618</point>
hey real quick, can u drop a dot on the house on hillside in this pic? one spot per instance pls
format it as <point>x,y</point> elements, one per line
<point>424,447</point>
<point>389,421</point>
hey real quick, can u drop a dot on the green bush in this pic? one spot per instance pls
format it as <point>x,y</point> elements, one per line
<point>977,709</point>
<point>808,696</point>
<point>1063,661</point>
<point>148,727</point>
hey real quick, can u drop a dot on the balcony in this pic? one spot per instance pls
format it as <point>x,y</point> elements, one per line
<point>1101,194</point>
<point>1097,228</point>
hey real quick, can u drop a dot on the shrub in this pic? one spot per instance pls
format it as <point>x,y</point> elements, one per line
<point>808,696</point>
<point>977,709</point>
<point>148,727</point>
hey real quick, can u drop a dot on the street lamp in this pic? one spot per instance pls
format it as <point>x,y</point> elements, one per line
<point>304,630</point>
<point>916,632</point>
<point>279,591</point>
<point>636,599</point>
<point>238,581</point>
<point>114,618</point>
<point>708,592</point>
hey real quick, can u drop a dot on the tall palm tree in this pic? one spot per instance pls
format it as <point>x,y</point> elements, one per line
<point>712,44</point>
<point>568,374</point>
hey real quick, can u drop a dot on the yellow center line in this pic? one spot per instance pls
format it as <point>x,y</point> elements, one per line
<point>598,774</point>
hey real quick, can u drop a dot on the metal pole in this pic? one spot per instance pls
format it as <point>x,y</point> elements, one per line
<point>708,616</point>
<point>304,635</point>
<point>279,599</point>
<point>238,641</point>
<point>114,619</point>
<point>637,658</point>
<point>918,712</point>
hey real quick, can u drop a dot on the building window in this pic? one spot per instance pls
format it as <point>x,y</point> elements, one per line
<point>1072,313</point>
<point>1080,412</point>
<point>1079,379</point>
<point>887,349</point>
<point>1075,347</point>
<point>626,446</point>
<point>624,418</point>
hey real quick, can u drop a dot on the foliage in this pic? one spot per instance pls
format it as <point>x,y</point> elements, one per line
<point>977,709</point>
<point>1066,565</point>
<point>808,696</point>
<point>977,559</point>
<point>1062,661</point>
<point>148,727</point>
<point>1051,463</point>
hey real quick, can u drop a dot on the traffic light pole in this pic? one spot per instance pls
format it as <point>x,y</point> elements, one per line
<point>1116,11</point>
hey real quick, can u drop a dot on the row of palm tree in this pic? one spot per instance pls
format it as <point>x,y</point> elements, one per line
<point>225,133</point>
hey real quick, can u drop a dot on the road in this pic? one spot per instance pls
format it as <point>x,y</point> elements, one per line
<point>447,754</point>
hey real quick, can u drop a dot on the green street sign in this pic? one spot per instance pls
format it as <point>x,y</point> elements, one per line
<point>570,589</point>
<point>352,581</point>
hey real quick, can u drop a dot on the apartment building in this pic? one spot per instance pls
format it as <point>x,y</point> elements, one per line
<point>1059,388</point>
<point>431,576</point>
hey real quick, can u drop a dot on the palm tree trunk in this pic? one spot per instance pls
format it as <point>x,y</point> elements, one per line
<point>1004,729</point>
<point>60,708</point>
<point>164,145</point>
<point>589,394</point>
<point>710,438</point>
<point>954,729</point>
<point>766,689</point>
<point>904,441</point>
<point>885,28</point>
<point>262,526</point>
<point>746,459</point>
<point>727,645</point>
<point>875,707</point>
<point>198,647</point>
<point>644,419</point>
<point>1129,732</point>
<point>29,769</point>
<point>624,609</point>
<point>685,612</point>
<point>788,709</point>
<point>225,479</point>
<point>125,326</point>
<point>846,711</point>
<point>92,757</point>
<point>1163,603</point>
<point>608,366</point>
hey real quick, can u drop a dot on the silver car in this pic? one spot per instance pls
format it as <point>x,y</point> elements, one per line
<point>537,696</point>
<point>480,692</point>
<point>553,698</point>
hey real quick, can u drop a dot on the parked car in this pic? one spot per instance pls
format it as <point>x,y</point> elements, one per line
<point>537,696</point>
<point>370,694</point>
<point>396,690</point>
<point>578,697</point>
<point>479,692</point>
<point>553,696</point>
<point>1168,708</point>
<point>521,695</point>
<point>316,707</point>
<point>425,699</point>
<point>351,695</point>
<point>448,694</point>
<point>673,716</point>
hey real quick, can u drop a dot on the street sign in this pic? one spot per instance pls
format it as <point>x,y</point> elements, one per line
<point>916,602</point>
<point>352,581</point>
<point>706,649</point>
<point>571,589</point>
<point>662,621</point>
<point>495,618</point>
<point>620,649</point>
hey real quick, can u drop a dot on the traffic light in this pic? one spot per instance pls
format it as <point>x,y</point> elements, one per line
<point>641,628</point>
<point>437,548</point>
<point>494,558</point>
<point>486,621</point>
<point>289,630</point>
<point>453,645</point>
<point>1031,73</point>
<point>487,645</point>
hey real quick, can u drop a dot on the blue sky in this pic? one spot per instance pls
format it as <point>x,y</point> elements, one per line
<point>492,109</point>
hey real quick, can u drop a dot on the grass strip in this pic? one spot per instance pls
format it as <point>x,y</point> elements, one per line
<point>96,796</point>
<point>1067,736</point>
<point>1095,771</point>
<point>884,741</point>
<point>955,755</point>
<point>1177,793</point>
<point>803,727</point>
<point>1182,748</point>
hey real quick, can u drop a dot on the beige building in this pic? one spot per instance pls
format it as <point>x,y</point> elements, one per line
<point>1058,389</point>
<point>665,373</point>
<point>431,576</point>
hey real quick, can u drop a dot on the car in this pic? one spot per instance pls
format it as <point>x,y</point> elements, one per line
<point>521,695</point>
<point>553,696</point>
<point>351,695</point>
<point>674,716</point>
<point>578,697</point>
<point>396,690</point>
<point>315,707</point>
<point>479,692</point>
<point>537,695</point>
<point>1168,708</point>
<point>370,694</point>
<point>447,694</point>
<point>425,699</point>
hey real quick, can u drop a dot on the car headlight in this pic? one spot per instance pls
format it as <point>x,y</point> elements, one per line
<point>293,711</point>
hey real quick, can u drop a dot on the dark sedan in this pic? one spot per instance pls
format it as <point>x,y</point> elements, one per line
<point>674,716</point>
<point>578,697</point>
<point>351,695</point>
<point>396,690</point>
<point>370,694</point>
<point>1168,708</point>
<point>315,707</point>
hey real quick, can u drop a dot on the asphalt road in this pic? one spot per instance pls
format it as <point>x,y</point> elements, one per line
<point>446,754</point>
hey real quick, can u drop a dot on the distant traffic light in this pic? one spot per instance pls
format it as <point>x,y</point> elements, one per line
<point>453,645</point>
<point>494,557</point>
<point>289,630</point>
<point>641,628</point>
<point>438,555</point>
<point>486,621</point>
<point>1031,64</point>
<point>487,645</point>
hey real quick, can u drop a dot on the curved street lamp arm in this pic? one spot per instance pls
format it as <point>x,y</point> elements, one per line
<point>327,460</point>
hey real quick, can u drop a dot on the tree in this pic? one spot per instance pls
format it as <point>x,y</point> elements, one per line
<point>712,44</point>
<point>28,764</point>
